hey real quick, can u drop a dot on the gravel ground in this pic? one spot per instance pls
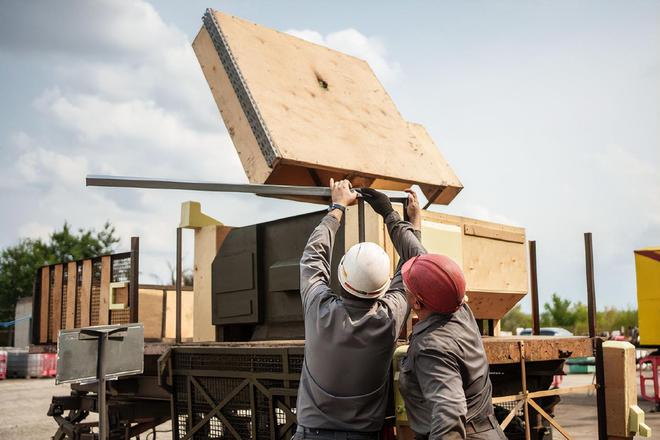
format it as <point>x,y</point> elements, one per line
<point>25,402</point>
<point>23,408</point>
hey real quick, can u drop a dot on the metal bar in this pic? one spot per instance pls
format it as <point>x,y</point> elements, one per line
<point>534,288</point>
<point>591,289</point>
<point>249,188</point>
<point>550,419</point>
<point>600,390</point>
<point>134,285</point>
<point>361,219</point>
<point>178,286</point>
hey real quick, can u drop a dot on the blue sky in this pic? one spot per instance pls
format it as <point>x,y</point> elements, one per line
<point>547,111</point>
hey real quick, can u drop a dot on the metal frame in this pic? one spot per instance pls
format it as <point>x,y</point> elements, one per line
<point>278,398</point>
<point>247,102</point>
<point>525,399</point>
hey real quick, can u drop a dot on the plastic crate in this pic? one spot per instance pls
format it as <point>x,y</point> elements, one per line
<point>17,364</point>
<point>49,368</point>
<point>261,386</point>
<point>3,364</point>
<point>581,365</point>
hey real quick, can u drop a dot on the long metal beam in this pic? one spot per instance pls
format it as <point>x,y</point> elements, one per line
<point>250,188</point>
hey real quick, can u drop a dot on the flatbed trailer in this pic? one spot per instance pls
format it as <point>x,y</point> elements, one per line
<point>248,389</point>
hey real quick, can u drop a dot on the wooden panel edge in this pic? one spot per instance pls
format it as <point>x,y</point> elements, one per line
<point>86,293</point>
<point>104,295</point>
<point>71,284</point>
<point>493,233</point>
<point>44,296</point>
<point>56,324</point>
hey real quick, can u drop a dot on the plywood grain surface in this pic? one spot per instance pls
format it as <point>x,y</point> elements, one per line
<point>323,110</point>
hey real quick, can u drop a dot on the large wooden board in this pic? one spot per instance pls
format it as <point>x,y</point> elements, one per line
<point>86,293</point>
<point>43,304</point>
<point>71,283</point>
<point>322,111</point>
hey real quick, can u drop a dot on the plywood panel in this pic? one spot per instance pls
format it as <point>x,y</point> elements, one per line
<point>620,386</point>
<point>253,162</point>
<point>43,304</point>
<point>494,233</point>
<point>494,265</point>
<point>151,312</point>
<point>492,305</point>
<point>104,298</point>
<point>71,283</point>
<point>86,293</point>
<point>207,242</point>
<point>319,109</point>
<point>56,295</point>
<point>187,315</point>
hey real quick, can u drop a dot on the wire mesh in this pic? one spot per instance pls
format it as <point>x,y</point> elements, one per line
<point>250,413</point>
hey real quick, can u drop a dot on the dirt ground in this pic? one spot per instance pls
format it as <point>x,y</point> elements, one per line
<point>24,403</point>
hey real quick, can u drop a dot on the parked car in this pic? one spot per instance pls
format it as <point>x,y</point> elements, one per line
<point>548,331</point>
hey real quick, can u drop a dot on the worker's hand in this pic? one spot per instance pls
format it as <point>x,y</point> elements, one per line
<point>413,209</point>
<point>342,193</point>
<point>378,201</point>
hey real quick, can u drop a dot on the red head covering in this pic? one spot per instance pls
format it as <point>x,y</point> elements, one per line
<point>436,280</point>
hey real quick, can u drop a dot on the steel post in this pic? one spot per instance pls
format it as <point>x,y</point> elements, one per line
<point>361,219</point>
<point>534,288</point>
<point>591,290</point>
<point>102,403</point>
<point>134,284</point>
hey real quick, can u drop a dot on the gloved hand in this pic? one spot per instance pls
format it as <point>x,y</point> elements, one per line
<point>378,201</point>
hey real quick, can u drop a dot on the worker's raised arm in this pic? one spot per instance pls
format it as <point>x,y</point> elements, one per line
<point>406,236</point>
<point>440,380</point>
<point>315,261</point>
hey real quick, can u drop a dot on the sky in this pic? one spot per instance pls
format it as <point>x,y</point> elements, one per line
<point>548,112</point>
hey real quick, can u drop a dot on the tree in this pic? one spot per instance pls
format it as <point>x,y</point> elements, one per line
<point>515,319</point>
<point>19,263</point>
<point>558,312</point>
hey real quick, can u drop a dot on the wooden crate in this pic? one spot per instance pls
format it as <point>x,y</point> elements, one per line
<point>493,256</point>
<point>94,291</point>
<point>158,312</point>
<point>299,113</point>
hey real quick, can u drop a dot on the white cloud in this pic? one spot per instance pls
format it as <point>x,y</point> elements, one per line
<point>353,42</point>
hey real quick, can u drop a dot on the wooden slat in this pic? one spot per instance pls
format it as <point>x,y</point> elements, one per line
<point>43,307</point>
<point>71,284</point>
<point>495,234</point>
<point>57,301</point>
<point>85,293</point>
<point>104,298</point>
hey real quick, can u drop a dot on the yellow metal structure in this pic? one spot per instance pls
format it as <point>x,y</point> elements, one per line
<point>647,266</point>
<point>192,216</point>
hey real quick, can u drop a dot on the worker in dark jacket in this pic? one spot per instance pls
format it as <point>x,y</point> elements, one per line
<point>350,337</point>
<point>444,376</point>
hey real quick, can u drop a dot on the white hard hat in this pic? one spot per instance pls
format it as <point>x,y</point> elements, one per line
<point>364,271</point>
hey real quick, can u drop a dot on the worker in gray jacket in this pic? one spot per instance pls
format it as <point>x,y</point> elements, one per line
<point>350,336</point>
<point>444,376</point>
